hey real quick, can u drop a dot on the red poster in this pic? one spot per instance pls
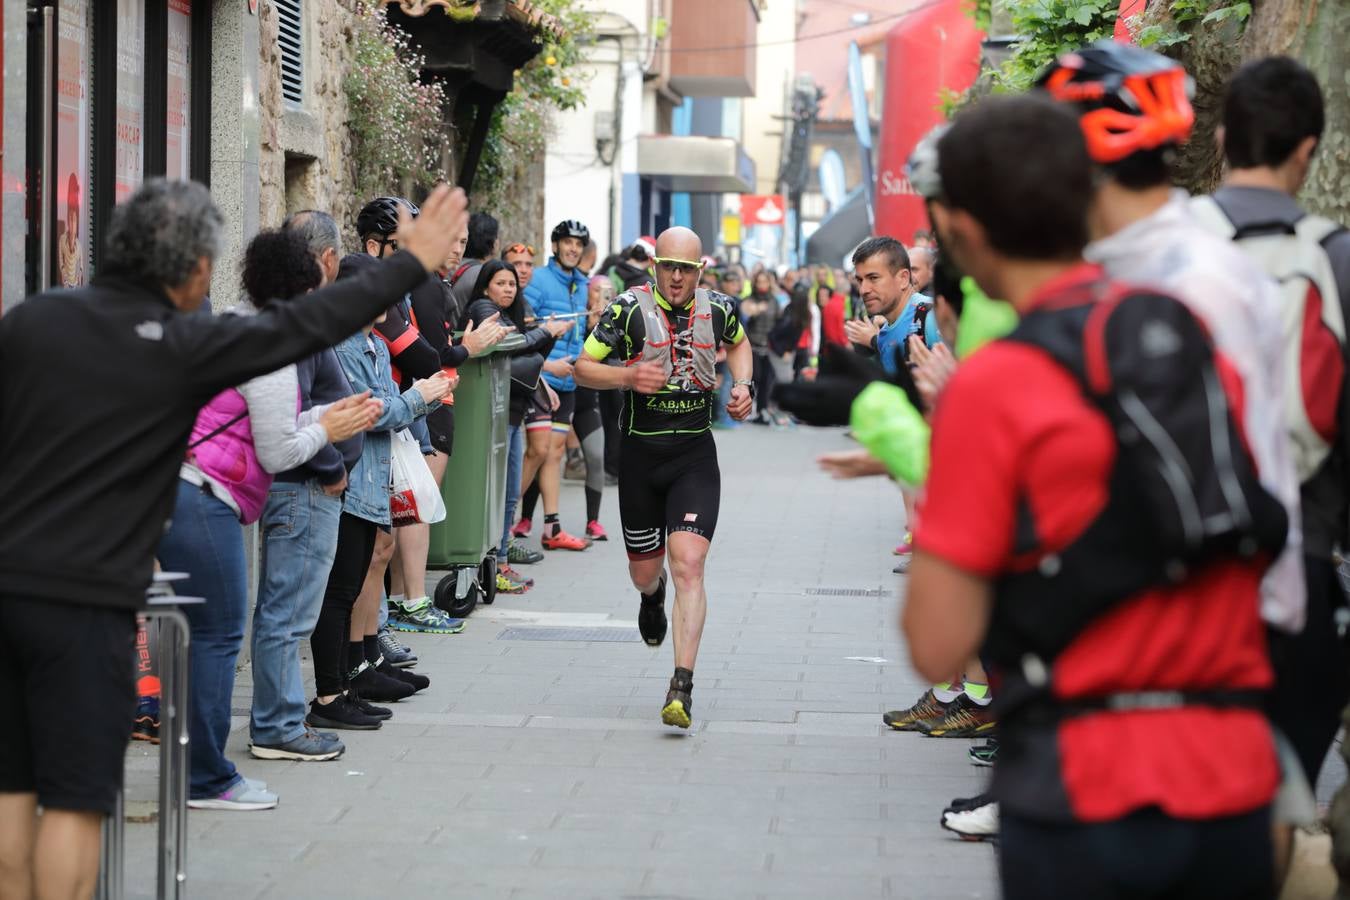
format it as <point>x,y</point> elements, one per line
<point>763,209</point>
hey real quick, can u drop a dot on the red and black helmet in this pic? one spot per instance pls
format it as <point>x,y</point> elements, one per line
<point>1131,100</point>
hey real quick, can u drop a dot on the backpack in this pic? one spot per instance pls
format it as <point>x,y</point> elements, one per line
<point>1311,316</point>
<point>1184,490</point>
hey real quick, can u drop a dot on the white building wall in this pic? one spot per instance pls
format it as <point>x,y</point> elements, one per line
<point>775,64</point>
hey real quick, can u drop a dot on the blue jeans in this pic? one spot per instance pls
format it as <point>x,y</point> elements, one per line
<point>515,462</point>
<point>299,532</point>
<point>205,541</point>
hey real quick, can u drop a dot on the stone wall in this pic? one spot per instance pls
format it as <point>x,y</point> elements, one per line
<point>306,150</point>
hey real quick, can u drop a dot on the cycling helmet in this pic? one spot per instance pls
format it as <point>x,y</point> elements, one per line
<point>380,216</point>
<point>922,168</point>
<point>570,228</point>
<point>1131,100</point>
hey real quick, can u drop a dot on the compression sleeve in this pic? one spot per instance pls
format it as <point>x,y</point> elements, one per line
<point>892,430</point>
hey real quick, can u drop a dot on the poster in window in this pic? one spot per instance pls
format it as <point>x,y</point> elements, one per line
<point>130,152</point>
<point>179,131</point>
<point>72,141</point>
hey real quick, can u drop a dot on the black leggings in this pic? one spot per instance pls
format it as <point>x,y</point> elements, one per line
<point>765,379</point>
<point>611,410</point>
<point>328,643</point>
<point>587,423</point>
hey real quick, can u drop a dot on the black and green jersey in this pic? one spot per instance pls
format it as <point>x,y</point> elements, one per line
<point>679,409</point>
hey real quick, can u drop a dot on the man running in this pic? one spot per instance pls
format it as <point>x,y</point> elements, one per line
<point>669,483</point>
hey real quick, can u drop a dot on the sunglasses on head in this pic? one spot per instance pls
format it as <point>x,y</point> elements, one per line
<point>683,266</point>
<point>519,248</point>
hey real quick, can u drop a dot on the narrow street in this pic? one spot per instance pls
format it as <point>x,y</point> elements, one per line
<point>539,768</point>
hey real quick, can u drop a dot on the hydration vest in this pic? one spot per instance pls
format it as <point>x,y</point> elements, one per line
<point>1183,490</point>
<point>689,357</point>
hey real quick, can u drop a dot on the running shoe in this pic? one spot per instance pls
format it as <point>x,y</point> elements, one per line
<point>145,727</point>
<point>906,545</point>
<point>966,804</point>
<point>394,651</point>
<point>506,586</point>
<point>985,754</point>
<point>522,528</point>
<point>514,575</point>
<point>652,616</point>
<point>927,708</point>
<point>595,531</point>
<point>561,540</point>
<point>978,824</point>
<point>902,567</point>
<point>422,616</point>
<point>679,704</point>
<point>520,555</point>
<point>964,719</point>
<point>312,746</point>
<point>239,796</point>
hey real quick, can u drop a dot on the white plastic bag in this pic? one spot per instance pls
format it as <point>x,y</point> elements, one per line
<point>413,495</point>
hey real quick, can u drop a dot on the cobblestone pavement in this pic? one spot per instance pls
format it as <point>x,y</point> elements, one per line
<point>540,769</point>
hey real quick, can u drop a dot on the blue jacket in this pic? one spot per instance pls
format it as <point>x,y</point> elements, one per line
<point>554,292</point>
<point>366,362</point>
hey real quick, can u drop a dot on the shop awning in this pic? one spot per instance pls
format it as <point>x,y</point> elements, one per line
<point>696,165</point>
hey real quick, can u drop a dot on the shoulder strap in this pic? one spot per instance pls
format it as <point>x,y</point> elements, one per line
<point>1317,229</point>
<point>1210,214</point>
<point>218,431</point>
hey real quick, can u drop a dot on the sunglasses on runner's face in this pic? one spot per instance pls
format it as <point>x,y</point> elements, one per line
<point>683,266</point>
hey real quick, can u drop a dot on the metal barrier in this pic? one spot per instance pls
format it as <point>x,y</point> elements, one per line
<point>172,648</point>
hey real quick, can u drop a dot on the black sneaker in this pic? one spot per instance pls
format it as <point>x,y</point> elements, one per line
<point>652,616</point>
<point>370,709</point>
<point>377,686</point>
<point>408,677</point>
<point>679,707</point>
<point>340,714</point>
<point>985,754</point>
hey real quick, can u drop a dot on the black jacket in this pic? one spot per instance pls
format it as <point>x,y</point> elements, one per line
<point>632,276</point>
<point>323,381</point>
<point>99,390</point>
<point>526,362</point>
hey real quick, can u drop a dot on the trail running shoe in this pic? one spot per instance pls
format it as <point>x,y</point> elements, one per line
<point>145,727</point>
<point>927,708</point>
<point>906,545</point>
<point>561,540</point>
<point>312,746</point>
<point>965,719</point>
<point>394,651</point>
<point>978,824</point>
<point>514,575</point>
<point>679,704</point>
<point>652,616</point>
<point>519,555</point>
<point>522,529</point>
<point>595,531</point>
<point>422,616</point>
<point>506,586</point>
<point>985,754</point>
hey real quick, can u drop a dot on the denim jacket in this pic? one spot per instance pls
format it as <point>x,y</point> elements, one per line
<point>366,362</point>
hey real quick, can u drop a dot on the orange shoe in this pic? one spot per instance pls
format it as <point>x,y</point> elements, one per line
<point>561,540</point>
<point>595,531</point>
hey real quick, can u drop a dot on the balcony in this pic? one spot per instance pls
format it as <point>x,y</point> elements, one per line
<point>697,26</point>
<point>696,164</point>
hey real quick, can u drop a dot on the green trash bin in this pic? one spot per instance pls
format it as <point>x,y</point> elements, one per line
<point>475,484</point>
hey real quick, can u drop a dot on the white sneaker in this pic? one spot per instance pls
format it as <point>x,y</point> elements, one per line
<point>978,824</point>
<point>242,795</point>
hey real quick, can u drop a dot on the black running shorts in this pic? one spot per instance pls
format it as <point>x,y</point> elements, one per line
<point>666,487</point>
<point>68,673</point>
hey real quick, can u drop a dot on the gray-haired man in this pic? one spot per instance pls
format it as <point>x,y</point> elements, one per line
<point>91,438</point>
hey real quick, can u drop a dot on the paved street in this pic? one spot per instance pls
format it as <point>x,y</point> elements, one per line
<point>540,769</point>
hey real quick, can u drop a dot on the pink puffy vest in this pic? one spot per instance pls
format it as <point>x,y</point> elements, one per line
<point>229,457</point>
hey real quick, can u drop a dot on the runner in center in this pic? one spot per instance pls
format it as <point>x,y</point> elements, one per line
<point>668,336</point>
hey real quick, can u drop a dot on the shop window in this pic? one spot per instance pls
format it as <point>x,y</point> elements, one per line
<point>178,124</point>
<point>74,60</point>
<point>129,158</point>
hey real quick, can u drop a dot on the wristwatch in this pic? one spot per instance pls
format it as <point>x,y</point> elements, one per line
<point>746,383</point>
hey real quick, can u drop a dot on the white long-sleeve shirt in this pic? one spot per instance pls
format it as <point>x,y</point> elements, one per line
<point>1240,305</point>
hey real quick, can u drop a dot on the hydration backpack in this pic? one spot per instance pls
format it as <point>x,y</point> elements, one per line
<point>1312,321</point>
<point>1183,489</point>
